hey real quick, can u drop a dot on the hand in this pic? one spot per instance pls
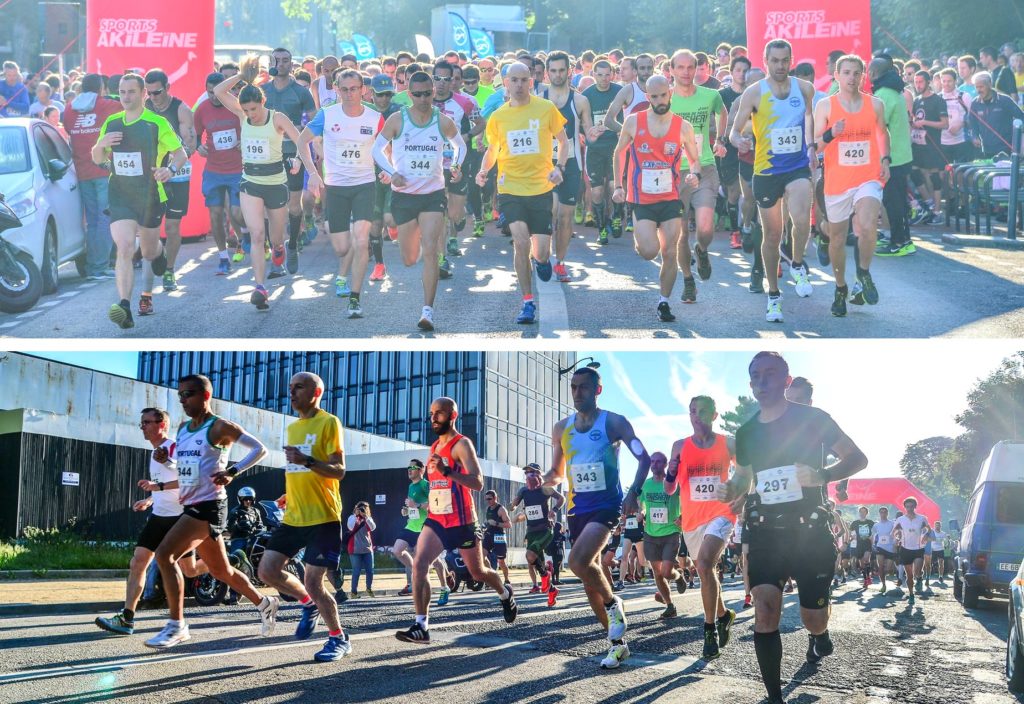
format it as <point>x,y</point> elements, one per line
<point>722,493</point>
<point>222,478</point>
<point>837,129</point>
<point>162,174</point>
<point>744,144</point>
<point>719,149</point>
<point>629,504</point>
<point>315,184</point>
<point>595,132</point>
<point>736,506</point>
<point>110,139</point>
<point>438,464</point>
<point>691,180</point>
<point>918,124</point>
<point>410,503</point>
<point>282,501</point>
<point>619,195</point>
<point>481,146</point>
<point>456,173</point>
<point>141,505</point>
<point>977,142</point>
<point>555,176</point>
<point>202,151</point>
<point>808,476</point>
<point>885,171</point>
<point>385,178</point>
<point>294,455</point>
<point>296,164</point>
<point>160,455</point>
<point>147,485</point>
<point>481,178</point>
<point>399,180</point>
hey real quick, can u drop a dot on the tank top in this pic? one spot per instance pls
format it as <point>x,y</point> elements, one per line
<point>166,502</point>
<point>348,145</point>
<point>417,154</point>
<point>198,460</point>
<point>701,471</point>
<point>779,140</point>
<point>535,503</point>
<point>653,166</point>
<point>171,115</point>
<point>572,123</point>
<point>261,144</point>
<point>497,533</point>
<point>326,94</point>
<point>852,158</point>
<point>637,103</point>
<point>592,463</point>
<point>451,504</point>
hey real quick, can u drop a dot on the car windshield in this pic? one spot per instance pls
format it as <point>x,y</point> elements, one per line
<point>14,157</point>
<point>1010,504</point>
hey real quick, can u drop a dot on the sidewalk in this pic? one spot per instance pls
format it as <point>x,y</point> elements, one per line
<point>33,596</point>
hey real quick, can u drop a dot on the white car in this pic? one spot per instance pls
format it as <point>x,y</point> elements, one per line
<point>38,180</point>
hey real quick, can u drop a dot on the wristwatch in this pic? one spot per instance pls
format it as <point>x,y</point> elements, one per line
<point>173,169</point>
<point>309,461</point>
<point>161,485</point>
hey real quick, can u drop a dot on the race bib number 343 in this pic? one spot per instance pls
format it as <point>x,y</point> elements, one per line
<point>787,140</point>
<point>588,477</point>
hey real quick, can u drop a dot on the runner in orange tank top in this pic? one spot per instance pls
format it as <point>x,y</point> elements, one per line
<point>850,130</point>
<point>453,472</point>
<point>699,465</point>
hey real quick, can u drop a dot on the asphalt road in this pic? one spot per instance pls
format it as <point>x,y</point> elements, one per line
<point>956,290</point>
<point>886,651</point>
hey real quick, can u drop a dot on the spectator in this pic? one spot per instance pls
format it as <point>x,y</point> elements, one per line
<point>991,117</point>
<point>359,545</point>
<point>1002,77</point>
<point>244,523</point>
<point>44,99</point>
<point>113,84</point>
<point>52,115</point>
<point>14,99</point>
<point>82,121</point>
<point>966,67</point>
<point>1017,66</point>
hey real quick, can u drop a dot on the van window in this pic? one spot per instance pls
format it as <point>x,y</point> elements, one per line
<point>1010,504</point>
<point>972,511</point>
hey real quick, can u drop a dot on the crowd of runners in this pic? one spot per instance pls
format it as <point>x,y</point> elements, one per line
<point>427,151</point>
<point>757,503</point>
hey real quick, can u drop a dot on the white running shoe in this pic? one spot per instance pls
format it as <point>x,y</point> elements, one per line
<point>615,657</point>
<point>268,614</point>
<point>800,278</point>
<point>774,313</point>
<point>616,620</point>
<point>169,637</point>
<point>426,319</point>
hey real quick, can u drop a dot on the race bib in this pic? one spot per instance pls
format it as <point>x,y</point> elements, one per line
<point>918,136</point>
<point>655,181</point>
<point>854,153</point>
<point>534,513</point>
<point>413,513</point>
<point>184,173</point>
<point>779,485</point>
<point>188,471</point>
<point>599,117</point>
<point>523,142</point>
<point>349,153</point>
<point>128,163</point>
<point>420,167</point>
<point>704,488</point>
<point>499,538</point>
<point>853,542</point>
<point>291,468</point>
<point>440,501</point>
<point>787,140</point>
<point>632,523</point>
<point>884,540</point>
<point>255,149</point>
<point>864,531</point>
<point>225,139</point>
<point>587,477</point>
<point>659,515</point>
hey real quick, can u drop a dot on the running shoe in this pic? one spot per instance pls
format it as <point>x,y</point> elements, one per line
<point>543,269</point>
<point>369,593</point>
<point>121,316</point>
<point>628,228</point>
<point>711,649</point>
<point>756,281</point>
<point>355,310</point>
<point>341,289</point>
<point>882,244</point>
<point>478,228</point>
<point>545,580</point>
<point>169,637</point>
<point>277,256</point>
<point>890,250</point>
<point>602,236</point>
<point>426,322</point>
<point>311,232</point>
<point>665,313</point>
<point>443,597</point>
<point>616,229</point>
<point>406,590</point>
<point>588,220</point>
<point>689,290</point>
<point>681,584</point>
<point>747,239</point>
<point>415,634</point>
<point>276,271</point>
<point>293,259</point>
<point>159,265</point>
<point>578,214</point>
<point>669,612</point>
<point>907,248</point>
<point>616,619</point>
<point>170,283</point>
<point>617,654</point>
<point>239,255</point>
<point>800,278</point>
<point>561,273</point>
<point>839,302</point>
<point>857,294</point>
<point>393,233</point>
<point>145,305</point>
<point>724,627</point>
<point>379,272</point>
<point>819,647</point>
<point>747,602</point>
<point>535,589</point>
<point>868,284</point>
<point>618,586</point>
<point>354,595</point>
<point>703,262</point>
<point>821,245</point>
<point>552,597</point>
<point>268,614</point>
<point>509,607</point>
<point>259,298</point>
<point>528,314</point>
<point>308,622</point>
<point>774,311</point>
<point>452,248</point>
<point>246,245</point>
<point>734,241</point>
<point>223,266</point>
<point>116,624</point>
<point>444,267</point>
<point>335,649</point>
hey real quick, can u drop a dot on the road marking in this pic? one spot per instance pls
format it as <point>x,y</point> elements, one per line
<point>7,325</point>
<point>48,304</point>
<point>554,313</point>
<point>29,314</point>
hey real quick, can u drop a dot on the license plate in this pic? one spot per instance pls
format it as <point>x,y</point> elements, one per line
<point>1009,566</point>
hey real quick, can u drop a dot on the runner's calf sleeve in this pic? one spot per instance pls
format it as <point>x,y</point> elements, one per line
<point>294,228</point>
<point>768,647</point>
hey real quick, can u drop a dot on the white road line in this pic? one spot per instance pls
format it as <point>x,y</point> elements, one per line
<point>553,311</point>
<point>7,325</point>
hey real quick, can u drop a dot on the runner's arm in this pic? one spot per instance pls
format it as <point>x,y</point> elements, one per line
<point>882,132</point>
<point>228,433</point>
<point>506,522</point>
<point>559,499</point>
<point>223,93</point>
<point>465,455</point>
<point>451,132</point>
<point>618,103</point>
<point>688,138</point>
<point>556,474</point>
<point>285,126</point>
<point>562,157</point>
<point>738,486</point>
<point>586,116</point>
<point>743,114</point>
<point>625,136</point>
<point>671,483</point>
<point>380,145</point>
<point>812,152</point>
<point>623,432</point>
<point>187,126</point>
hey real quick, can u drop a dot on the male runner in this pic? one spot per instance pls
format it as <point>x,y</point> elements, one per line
<point>888,87</point>
<point>495,536</point>
<point>728,165</point>
<point>782,450</point>
<point>201,450</point>
<point>346,131</point>
<point>540,517</point>
<point>882,545</point>
<point>698,105</point>
<point>780,108</point>
<point>453,471</point>
<point>519,139</point>
<point>312,517</point>
<point>585,448</point>
<point>163,499</point>
<point>850,129</point>
<point>179,116</point>
<point>699,465</point>
<point>415,511</point>
<point>930,116</point>
<point>656,140</point>
<point>911,531</point>
<point>134,143</point>
<point>938,541</point>
<point>661,532</point>
<point>631,98</point>
<point>479,199</point>
<point>598,157</point>
<point>415,170</point>
<point>860,540</point>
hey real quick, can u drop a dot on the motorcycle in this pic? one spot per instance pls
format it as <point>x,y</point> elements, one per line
<point>461,573</point>
<point>247,559</point>
<point>21,282</point>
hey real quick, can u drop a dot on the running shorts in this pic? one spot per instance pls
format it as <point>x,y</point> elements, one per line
<point>410,537</point>
<point>214,186</point>
<point>660,212</point>
<point>719,527</point>
<point>609,518</point>
<point>273,197</point>
<point>535,211</point>
<point>907,557</point>
<point>496,545</point>
<point>322,542</point>
<point>457,188</point>
<point>839,208</point>
<point>154,531</point>
<point>664,548</point>
<point>806,555</point>
<point>455,537</point>
<point>177,199</point>
<point>148,215</point>
<point>344,205</point>
<point>214,512</point>
<point>769,188</point>
<point>569,189</point>
<point>536,541</point>
<point>705,194</point>
<point>598,163</point>
<point>406,207</point>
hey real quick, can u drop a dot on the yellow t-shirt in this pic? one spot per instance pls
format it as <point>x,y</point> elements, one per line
<point>524,137</point>
<point>313,499</point>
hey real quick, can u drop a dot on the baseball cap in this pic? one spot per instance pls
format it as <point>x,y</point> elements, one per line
<point>382,83</point>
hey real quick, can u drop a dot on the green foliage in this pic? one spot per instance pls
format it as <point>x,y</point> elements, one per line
<point>745,409</point>
<point>42,549</point>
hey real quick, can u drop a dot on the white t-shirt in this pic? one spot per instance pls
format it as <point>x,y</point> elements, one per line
<point>936,540</point>
<point>881,536</point>
<point>165,503</point>
<point>914,530</point>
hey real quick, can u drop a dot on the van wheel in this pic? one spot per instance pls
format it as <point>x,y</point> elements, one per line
<point>958,586</point>
<point>971,595</point>
<point>1014,656</point>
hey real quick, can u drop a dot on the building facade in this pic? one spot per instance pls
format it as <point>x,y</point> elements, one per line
<point>508,401</point>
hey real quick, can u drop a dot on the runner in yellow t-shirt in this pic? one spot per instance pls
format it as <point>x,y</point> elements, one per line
<point>521,135</point>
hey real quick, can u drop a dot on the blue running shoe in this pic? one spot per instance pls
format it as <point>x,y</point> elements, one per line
<point>443,599</point>
<point>308,623</point>
<point>336,648</point>
<point>246,242</point>
<point>543,270</point>
<point>341,289</point>
<point>223,267</point>
<point>528,314</point>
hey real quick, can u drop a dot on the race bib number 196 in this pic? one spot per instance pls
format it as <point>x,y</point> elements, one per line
<point>255,150</point>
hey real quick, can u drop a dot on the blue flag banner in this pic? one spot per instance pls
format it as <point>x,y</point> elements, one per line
<point>460,33</point>
<point>346,47</point>
<point>364,47</point>
<point>483,42</point>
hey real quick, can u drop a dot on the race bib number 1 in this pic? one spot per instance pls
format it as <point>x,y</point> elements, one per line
<point>854,153</point>
<point>704,488</point>
<point>188,471</point>
<point>655,181</point>
<point>128,163</point>
<point>523,142</point>
<point>787,140</point>
<point>779,485</point>
<point>441,501</point>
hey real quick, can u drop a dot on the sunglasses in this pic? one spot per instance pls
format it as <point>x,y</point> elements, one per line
<point>421,93</point>
<point>386,94</point>
<point>470,81</point>
<point>443,79</point>
<point>157,92</point>
<point>415,469</point>
<point>144,423</point>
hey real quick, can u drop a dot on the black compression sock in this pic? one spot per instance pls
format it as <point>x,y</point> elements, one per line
<point>734,217</point>
<point>128,615</point>
<point>294,228</point>
<point>377,247</point>
<point>768,647</point>
<point>125,303</point>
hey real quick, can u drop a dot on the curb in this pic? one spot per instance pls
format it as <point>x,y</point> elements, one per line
<point>990,241</point>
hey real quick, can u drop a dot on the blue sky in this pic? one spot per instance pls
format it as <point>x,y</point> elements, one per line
<point>122,363</point>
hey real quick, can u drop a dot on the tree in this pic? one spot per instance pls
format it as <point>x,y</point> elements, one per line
<point>926,463</point>
<point>745,409</point>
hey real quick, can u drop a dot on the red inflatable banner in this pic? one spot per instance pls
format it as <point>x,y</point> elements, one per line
<point>814,29</point>
<point>176,37</point>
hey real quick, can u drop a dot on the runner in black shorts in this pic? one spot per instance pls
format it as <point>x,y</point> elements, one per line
<point>608,558</point>
<point>495,537</point>
<point>860,542</point>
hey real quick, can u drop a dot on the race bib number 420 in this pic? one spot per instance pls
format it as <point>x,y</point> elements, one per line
<point>523,142</point>
<point>854,153</point>
<point>779,485</point>
<point>587,477</point>
<point>704,488</point>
